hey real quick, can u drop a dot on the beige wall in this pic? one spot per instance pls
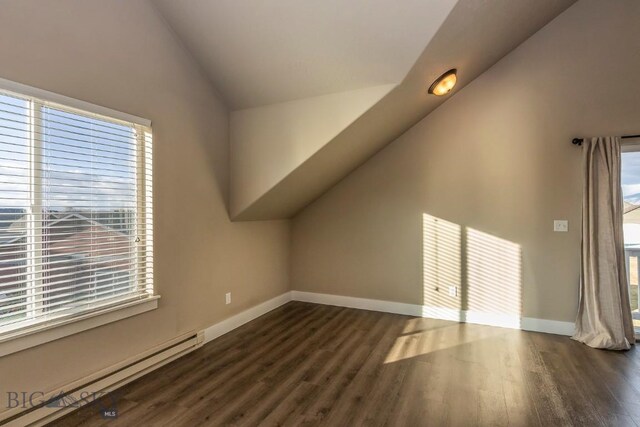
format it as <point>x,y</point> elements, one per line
<point>120,55</point>
<point>270,142</point>
<point>496,166</point>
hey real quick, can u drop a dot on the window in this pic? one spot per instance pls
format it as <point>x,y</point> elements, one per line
<point>75,212</point>
<point>631,223</point>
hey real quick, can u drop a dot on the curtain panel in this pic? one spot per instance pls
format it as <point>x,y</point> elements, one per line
<point>604,313</point>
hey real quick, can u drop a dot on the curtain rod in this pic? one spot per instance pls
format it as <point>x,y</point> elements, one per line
<point>578,141</point>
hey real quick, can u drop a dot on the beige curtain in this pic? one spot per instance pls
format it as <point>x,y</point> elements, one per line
<point>604,314</point>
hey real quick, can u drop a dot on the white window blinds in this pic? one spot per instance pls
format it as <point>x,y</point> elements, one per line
<point>75,212</point>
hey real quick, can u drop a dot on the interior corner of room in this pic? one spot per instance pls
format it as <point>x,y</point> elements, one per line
<point>319,213</point>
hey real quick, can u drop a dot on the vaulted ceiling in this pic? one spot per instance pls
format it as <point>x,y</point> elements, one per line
<point>260,52</point>
<point>318,87</point>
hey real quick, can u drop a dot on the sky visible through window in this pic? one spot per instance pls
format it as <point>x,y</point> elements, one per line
<point>14,152</point>
<point>631,176</point>
<point>88,164</point>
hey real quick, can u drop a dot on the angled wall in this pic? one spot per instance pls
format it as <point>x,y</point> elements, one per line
<point>268,143</point>
<point>467,197</point>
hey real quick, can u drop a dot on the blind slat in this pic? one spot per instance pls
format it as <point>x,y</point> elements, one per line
<point>68,182</point>
<point>77,115</point>
<point>111,246</point>
<point>93,218</point>
<point>29,166</point>
<point>83,148</point>
<point>59,234</point>
<point>11,124</point>
<point>6,112</point>
<point>143,270</point>
<point>85,167</point>
<point>56,264</point>
<point>57,293</point>
<point>55,279</point>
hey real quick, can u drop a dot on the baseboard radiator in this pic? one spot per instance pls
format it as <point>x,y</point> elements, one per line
<point>57,403</point>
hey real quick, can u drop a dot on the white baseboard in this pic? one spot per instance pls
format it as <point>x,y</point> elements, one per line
<point>549,326</point>
<point>362,303</point>
<point>233,322</point>
<point>466,316</point>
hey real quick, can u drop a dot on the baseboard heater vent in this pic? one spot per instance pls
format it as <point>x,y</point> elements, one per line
<point>58,403</point>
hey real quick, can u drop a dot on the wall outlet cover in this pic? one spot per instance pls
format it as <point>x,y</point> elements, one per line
<point>560,225</point>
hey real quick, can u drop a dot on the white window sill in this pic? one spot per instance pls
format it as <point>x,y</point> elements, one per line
<point>39,334</point>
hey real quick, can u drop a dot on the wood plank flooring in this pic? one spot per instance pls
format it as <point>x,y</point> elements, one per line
<point>315,365</point>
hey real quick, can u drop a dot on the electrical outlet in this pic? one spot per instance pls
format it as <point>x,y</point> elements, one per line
<point>560,225</point>
<point>453,291</point>
<point>227,298</point>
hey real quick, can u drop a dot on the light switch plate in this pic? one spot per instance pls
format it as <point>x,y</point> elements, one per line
<point>561,225</point>
<point>453,291</point>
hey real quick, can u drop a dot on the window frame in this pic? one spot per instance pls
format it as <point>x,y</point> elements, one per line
<point>28,335</point>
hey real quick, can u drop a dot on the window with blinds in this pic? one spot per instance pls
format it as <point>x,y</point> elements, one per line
<point>75,212</point>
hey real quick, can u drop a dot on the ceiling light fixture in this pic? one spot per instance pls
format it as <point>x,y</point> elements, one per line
<point>444,83</point>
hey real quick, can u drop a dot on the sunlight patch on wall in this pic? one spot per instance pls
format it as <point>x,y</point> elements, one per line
<point>494,274</point>
<point>441,249</point>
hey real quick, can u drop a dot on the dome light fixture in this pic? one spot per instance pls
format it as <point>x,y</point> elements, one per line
<point>444,83</point>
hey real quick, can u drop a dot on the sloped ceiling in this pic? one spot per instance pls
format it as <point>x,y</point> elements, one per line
<point>259,52</point>
<point>268,143</point>
<point>262,52</point>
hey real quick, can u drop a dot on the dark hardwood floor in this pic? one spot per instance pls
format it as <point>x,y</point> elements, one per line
<point>306,364</point>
